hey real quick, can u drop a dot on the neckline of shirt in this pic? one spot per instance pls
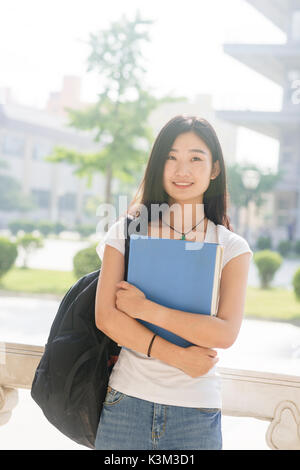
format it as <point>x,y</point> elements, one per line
<point>210,224</point>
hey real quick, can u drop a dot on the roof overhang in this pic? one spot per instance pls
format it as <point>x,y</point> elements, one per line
<point>270,60</point>
<point>271,124</point>
<point>40,124</point>
<point>275,10</point>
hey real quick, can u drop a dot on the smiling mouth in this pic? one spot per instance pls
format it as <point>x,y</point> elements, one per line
<point>182,185</point>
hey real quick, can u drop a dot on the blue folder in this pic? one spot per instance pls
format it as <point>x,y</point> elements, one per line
<point>178,274</point>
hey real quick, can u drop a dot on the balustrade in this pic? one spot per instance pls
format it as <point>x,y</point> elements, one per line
<point>260,395</point>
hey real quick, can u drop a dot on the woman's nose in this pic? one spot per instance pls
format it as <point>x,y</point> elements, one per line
<point>182,169</point>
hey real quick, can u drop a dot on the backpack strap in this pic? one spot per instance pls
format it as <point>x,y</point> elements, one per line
<point>127,244</point>
<point>138,221</point>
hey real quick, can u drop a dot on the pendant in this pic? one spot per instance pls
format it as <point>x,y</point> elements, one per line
<point>183,237</point>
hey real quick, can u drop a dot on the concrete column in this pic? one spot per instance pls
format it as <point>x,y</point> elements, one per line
<point>27,164</point>
<point>54,192</point>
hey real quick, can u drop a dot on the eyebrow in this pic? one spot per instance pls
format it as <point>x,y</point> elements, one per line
<point>192,150</point>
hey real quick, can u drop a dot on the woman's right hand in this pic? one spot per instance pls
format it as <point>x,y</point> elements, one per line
<point>196,360</point>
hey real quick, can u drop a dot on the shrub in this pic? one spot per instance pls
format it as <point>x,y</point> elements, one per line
<point>264,243</point>
<point>8,255</point>
<point>86,261</point>
<point>59,227</point>
<point>267,262</point>
<point>85,230</point>
<point>296,284</point>
<point>45,227</point>
<point>22,224</point>
<point>284,247</point>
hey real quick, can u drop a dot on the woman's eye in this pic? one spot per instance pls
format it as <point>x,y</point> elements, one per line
<point>172,156</point>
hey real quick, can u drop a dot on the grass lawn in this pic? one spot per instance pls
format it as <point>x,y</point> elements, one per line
<point>38,281</point>
<point>270,304</point>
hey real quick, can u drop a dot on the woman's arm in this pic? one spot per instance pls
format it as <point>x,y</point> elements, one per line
<point>128,332</point>
<point>193,361</point>
<point>208,331</point>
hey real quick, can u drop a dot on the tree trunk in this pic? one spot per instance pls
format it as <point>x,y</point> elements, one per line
<point>236,219</point>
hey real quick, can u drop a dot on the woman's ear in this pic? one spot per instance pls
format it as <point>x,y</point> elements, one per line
<point>216,170</point>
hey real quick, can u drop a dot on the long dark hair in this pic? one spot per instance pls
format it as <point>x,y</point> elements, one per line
<point>151,190</point>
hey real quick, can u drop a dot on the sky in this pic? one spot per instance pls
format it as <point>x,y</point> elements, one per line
<point>41,41</point>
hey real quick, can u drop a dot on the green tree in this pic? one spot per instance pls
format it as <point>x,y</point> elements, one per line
<point>119,118</point>
<point>240,196</point>
<point>29,243</point>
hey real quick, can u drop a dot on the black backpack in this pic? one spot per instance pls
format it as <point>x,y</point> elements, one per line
<point>71,379</point>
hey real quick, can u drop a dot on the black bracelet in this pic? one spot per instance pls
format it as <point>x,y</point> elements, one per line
<point>150,346</point>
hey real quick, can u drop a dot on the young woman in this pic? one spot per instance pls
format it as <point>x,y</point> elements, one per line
<point>162,396</point>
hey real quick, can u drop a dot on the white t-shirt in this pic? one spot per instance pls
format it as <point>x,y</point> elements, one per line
<point>150,379</point>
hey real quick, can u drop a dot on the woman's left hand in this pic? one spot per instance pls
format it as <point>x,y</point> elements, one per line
<point>130,299</point>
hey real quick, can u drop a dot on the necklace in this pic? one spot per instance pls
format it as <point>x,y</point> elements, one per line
<point>182,233</point>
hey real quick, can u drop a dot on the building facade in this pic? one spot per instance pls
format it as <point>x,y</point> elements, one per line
<point>27,136</point>
<point>281,64</point>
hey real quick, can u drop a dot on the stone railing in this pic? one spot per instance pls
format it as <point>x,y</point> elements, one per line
<point>261,395</point>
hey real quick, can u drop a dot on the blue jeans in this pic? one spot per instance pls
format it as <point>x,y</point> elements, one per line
<point>131,423</point>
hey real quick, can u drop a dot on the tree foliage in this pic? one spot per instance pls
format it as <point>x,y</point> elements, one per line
<point>28,244</point>
<point>119,119</point>
<point>239,194</point>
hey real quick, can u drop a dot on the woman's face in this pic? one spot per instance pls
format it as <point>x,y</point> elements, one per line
<point>189,161</point>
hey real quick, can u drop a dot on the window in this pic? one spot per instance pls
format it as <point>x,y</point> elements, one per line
<point>287,200</point>
<point>282,220</point>
<point>13,145</point>
<point>283,203</point>
<point>41,197</point>
<point>67,202</point>
<point>41,150</point>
